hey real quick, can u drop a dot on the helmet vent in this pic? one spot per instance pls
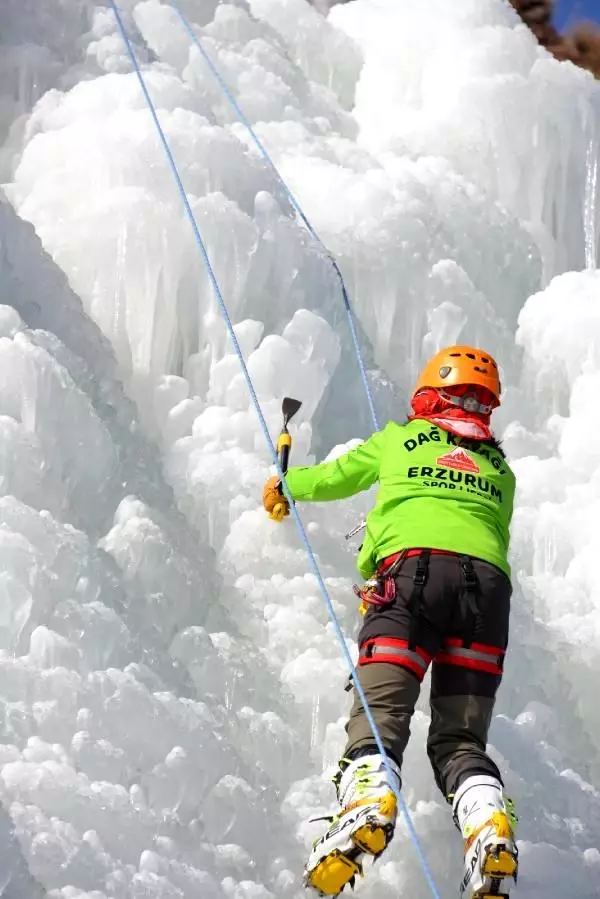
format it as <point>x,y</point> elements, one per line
<point>470,355</point>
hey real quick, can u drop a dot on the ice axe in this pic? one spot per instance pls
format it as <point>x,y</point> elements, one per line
<point>289,407</point>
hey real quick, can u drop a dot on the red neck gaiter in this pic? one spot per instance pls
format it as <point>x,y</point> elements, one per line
<point>428,404</point>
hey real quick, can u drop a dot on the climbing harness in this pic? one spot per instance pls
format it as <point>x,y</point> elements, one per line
<point>380,591</point>
<point>264,427</point>
<point>395,651</point>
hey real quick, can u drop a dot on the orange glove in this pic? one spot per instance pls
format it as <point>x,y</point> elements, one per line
<point>274,501</point>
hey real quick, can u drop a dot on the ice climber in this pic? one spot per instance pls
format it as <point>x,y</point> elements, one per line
<point>437,592</point>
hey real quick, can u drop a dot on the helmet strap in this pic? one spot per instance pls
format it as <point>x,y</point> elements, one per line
<point>468,402</point>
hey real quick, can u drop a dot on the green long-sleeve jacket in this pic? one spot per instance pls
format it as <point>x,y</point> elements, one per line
<point>435,490</point>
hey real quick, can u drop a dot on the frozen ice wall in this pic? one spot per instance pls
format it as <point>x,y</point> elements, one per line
<point>40,48</point>
<point>171,689</point>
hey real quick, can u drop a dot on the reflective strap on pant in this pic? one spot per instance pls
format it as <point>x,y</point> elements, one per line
<point>478,657</point>
<point>396,652</point>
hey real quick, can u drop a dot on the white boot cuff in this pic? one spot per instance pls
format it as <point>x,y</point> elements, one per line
<point>375,764</point>
<point>478,780</point>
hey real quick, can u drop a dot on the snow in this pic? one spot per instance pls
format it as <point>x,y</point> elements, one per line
<point>171,690</point>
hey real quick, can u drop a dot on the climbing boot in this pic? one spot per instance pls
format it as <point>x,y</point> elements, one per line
<point>363,827</point>
<point>486,821</point>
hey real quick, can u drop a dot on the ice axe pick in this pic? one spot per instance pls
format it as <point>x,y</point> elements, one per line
<point>289,407</point>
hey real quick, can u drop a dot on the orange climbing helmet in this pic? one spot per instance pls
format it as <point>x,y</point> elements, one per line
<point>456,366</point>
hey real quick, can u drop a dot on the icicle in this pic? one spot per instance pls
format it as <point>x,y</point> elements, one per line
<point>589,209</point>
<point>315,728</point>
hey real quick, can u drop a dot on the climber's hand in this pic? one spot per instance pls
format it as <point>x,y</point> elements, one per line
<point>274,501</point>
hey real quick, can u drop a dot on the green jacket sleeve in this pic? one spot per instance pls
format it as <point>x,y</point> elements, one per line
<point>348,474</point>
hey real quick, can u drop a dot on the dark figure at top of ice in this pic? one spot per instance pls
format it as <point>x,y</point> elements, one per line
<point>438,592</point>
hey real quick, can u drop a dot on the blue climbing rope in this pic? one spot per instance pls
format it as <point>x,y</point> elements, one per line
<point>294,513</point>
<point>301,214</point>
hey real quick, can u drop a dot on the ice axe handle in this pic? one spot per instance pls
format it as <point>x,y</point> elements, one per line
<point>284,445</point>
<point>289,407</point>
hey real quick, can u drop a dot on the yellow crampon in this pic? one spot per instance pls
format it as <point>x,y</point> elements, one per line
<point>363,827</point>
<point>500,864</point>
<point>338,869</point>
<point>333,873</point>
<point>372,837</point>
